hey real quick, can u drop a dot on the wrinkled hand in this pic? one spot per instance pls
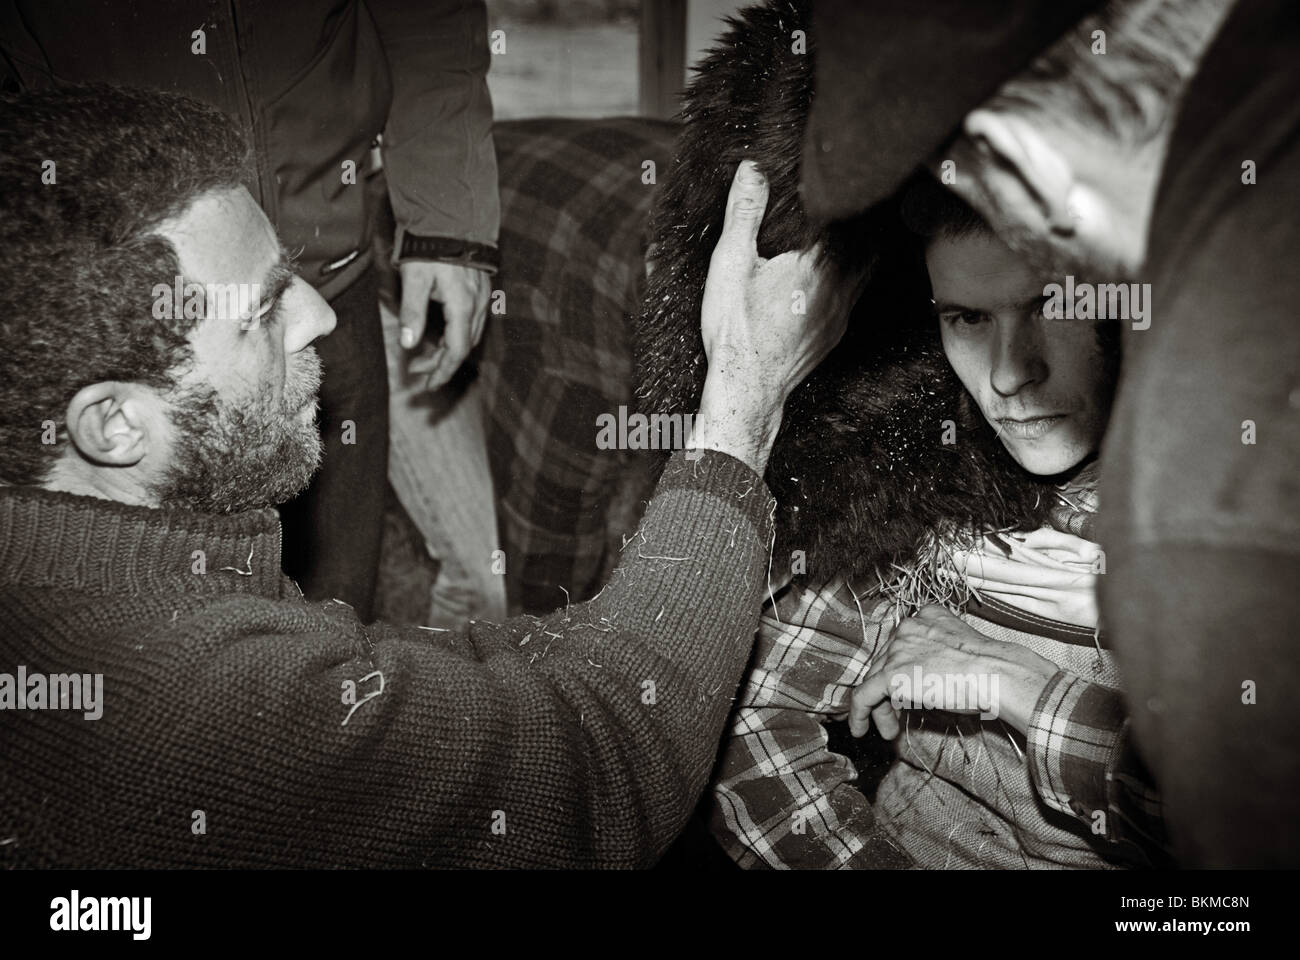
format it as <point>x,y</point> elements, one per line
<point>757,318</point>
<point>943,645</point>
<point>760,326</point>
<point>463,292</point>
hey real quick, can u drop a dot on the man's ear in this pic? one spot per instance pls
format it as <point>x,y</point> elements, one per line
<point>1035,182</point>
<point>107,424</point>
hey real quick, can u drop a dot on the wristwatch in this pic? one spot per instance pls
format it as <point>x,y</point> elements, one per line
<point>449,250</point>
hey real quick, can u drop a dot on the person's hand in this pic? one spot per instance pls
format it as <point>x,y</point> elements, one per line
<point>761,329</point>
<point>1050,573</point>
<point>1007,677</point>
<point>463,292</point>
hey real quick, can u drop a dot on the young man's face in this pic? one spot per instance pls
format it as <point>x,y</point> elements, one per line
<point>1042,384</point>
<point>243,417</point>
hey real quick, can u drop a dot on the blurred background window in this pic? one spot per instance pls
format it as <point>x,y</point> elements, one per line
<point>596,58</point>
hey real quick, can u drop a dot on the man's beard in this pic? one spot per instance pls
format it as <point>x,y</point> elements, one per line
<point>229,457</point>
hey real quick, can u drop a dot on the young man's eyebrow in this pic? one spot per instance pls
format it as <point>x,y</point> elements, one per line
<point>941,306</point>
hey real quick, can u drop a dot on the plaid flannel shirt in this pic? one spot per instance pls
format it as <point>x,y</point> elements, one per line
<point>783,799</point>
<point>575,201</point>
<point>1083,762</point>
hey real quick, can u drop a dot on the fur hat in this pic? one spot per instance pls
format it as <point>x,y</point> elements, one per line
<point>881,448</point>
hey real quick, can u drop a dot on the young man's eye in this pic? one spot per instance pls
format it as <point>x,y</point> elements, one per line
<point>967,318</point>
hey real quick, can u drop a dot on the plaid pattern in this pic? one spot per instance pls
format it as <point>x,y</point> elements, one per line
<point>574,211</point>
<point>1083,763</point>
<point>782,799</point>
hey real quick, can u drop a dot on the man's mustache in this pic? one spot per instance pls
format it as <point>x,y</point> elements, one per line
<point>1032,409</point>
<point>302,379</point>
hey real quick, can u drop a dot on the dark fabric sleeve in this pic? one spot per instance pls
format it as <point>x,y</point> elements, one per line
<point>438,152</point>
<point>1212,684</point>
<point>1200,511</point>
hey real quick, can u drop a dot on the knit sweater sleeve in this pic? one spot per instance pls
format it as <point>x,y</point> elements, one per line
<point>580,739</point>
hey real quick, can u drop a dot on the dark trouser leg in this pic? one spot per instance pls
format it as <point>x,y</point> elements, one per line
<point>332,531</point>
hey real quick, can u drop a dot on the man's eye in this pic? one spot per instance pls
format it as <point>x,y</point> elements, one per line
<point>266,314</point>
<point>968,318</point>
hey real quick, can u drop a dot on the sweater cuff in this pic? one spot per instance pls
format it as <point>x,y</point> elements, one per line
<point>703,543</point>
<point>711,471</point>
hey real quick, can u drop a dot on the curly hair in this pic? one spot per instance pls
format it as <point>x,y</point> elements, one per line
<point>89,174</point>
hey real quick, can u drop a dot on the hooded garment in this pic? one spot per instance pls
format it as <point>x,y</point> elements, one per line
<point>881,447</point>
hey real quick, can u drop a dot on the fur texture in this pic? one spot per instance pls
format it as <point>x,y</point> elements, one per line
<point>860,471</point>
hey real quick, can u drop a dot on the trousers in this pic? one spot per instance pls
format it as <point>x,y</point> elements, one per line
<point>333,530</point>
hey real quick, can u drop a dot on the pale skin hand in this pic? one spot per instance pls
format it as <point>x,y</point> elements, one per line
<point>941,643</point>
<point>463,292</point>
<point>758,347</point>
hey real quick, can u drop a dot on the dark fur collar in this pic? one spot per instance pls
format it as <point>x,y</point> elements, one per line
<point>860,470</point>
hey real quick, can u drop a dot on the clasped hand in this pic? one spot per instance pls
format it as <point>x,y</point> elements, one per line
<point>957,668</point>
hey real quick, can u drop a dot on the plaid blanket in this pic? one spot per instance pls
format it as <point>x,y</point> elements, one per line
<point>575,198</point>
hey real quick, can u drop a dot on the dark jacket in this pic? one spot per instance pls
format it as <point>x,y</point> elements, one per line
<point>1201,515</point>
<point>312,83</point>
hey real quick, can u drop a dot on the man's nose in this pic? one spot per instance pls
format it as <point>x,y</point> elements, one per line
<point>1017,357</point>
<point>311,318</point>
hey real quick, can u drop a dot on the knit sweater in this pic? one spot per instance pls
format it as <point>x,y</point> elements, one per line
<point>243,726</point>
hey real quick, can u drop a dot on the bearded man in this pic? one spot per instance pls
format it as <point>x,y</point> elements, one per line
<point>144,445</point>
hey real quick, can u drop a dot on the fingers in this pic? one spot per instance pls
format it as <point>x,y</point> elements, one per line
<point>458,309</point>
<point>417,284</point>
<point>925,652</point>
<point>886,718</point>
<point>865,699</point>
<point>745,206</point>
<point>477,287</point>
<point>463,293</point>
<point>481,295</point>
<point>455,346</point>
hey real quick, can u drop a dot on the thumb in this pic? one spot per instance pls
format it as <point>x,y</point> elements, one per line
<point>745,205</point>
<point>417,285</point>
